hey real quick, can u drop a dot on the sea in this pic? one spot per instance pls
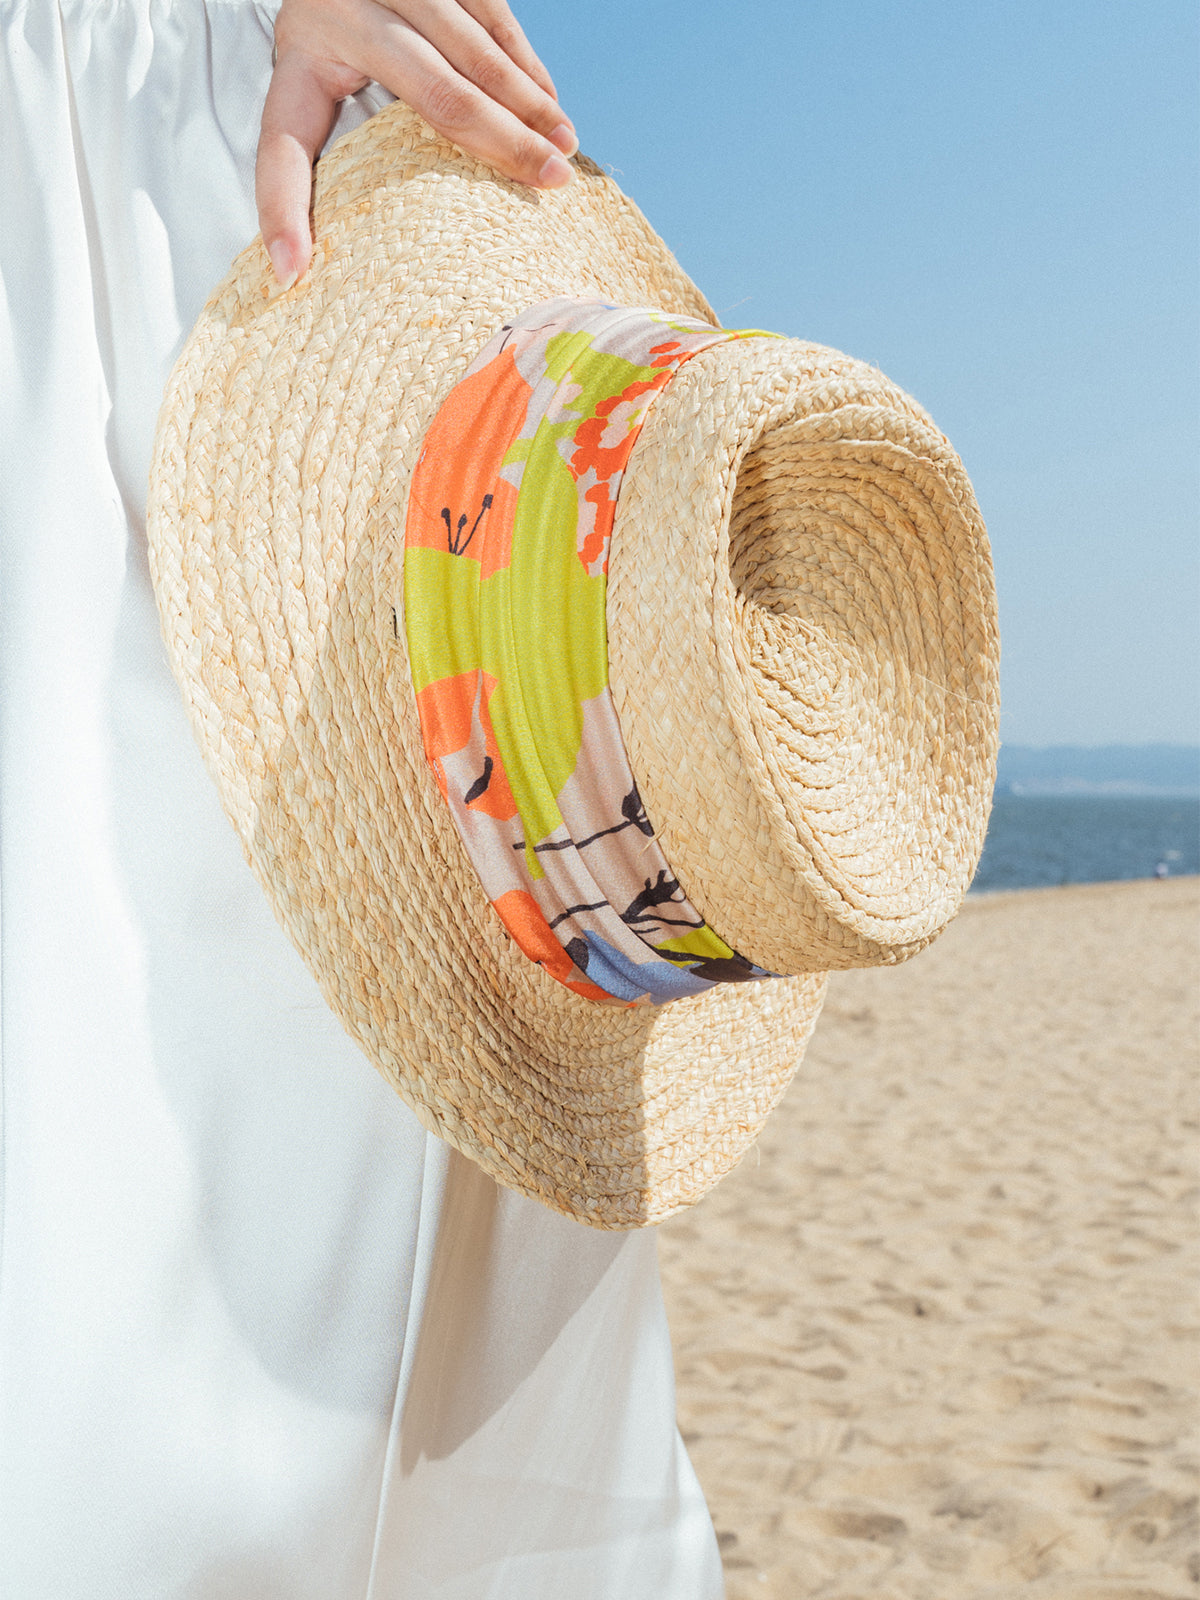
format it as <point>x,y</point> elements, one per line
<point>1034,841</point>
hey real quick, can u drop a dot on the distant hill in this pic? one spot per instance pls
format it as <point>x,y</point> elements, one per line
<point>1148,769</point>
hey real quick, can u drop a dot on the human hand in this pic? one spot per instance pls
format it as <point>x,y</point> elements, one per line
<point>464,65</point>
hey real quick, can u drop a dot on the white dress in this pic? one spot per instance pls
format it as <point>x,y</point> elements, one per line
<point>261,1337</point>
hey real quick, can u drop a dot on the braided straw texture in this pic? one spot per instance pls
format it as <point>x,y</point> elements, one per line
<point>813,715</point>
<point>285,448</point>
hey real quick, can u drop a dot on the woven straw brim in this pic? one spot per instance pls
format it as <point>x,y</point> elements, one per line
<point>286,443</point>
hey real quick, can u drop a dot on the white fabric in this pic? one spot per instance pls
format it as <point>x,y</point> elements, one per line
<point>261,1338</point>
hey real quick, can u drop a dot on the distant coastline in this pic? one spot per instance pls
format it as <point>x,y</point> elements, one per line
<point>1036,840</point>
<point>1113,771</point>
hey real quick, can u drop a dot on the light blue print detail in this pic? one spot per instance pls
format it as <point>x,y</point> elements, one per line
<point>628,980</point>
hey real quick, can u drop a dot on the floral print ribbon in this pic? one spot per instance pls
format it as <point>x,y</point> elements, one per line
<point>506,557</point>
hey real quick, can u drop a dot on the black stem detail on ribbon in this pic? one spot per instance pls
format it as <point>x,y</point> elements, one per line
<point>663,891</point>
<point>571,910</point>
<point>632,810</point>
<point>717,969</point>
<point>455,542</point>
<point>481,783</point>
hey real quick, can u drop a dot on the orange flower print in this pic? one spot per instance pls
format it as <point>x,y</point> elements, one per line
<point>455,722</point>
<point>523,917</point>
<point>553,822</point>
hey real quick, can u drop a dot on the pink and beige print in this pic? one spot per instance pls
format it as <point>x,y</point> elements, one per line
<point>507,538</point>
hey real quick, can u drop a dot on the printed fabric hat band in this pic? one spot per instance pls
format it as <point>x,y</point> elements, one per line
<point>506,559</point>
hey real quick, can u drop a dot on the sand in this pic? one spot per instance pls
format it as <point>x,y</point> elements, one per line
<point>937,1336</point>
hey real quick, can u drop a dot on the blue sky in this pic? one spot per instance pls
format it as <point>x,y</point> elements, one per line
<point>996,204</point>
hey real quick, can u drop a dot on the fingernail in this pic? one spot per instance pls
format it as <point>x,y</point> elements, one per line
<point>565,137</point>
<point>281,261</point>
<point>556,174</point>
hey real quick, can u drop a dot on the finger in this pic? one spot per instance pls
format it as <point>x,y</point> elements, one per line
<point>410,67</point>
<point>475,55</point>
<point>300,107</point>
<point>498,21</point>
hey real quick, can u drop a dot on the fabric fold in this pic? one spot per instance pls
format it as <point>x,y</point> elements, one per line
<point>509,523</point>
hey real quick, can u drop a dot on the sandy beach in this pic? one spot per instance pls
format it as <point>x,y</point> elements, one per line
<point>937,1336</point>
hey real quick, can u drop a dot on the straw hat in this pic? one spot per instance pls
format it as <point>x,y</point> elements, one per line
<point>802,656</point>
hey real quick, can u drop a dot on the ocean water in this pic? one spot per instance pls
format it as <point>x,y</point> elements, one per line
<point>1037,840</point>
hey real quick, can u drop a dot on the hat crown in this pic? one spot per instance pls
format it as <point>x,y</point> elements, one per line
<point>812,714</point>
